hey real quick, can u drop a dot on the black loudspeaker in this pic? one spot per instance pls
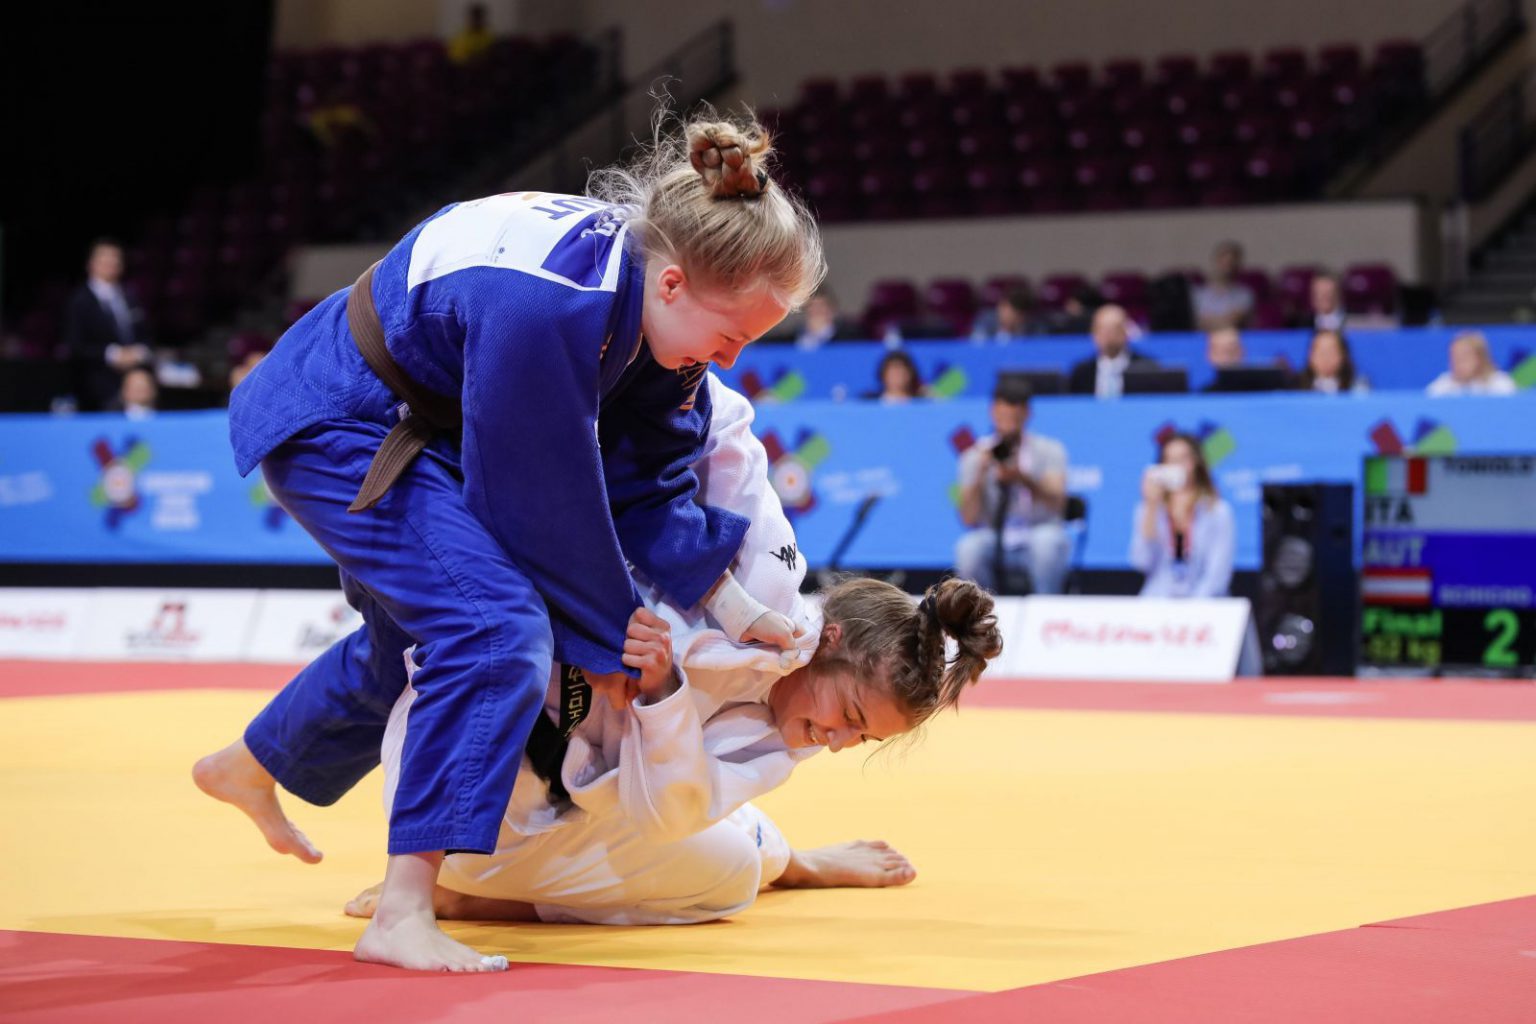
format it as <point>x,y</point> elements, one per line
<point>1306,610</point>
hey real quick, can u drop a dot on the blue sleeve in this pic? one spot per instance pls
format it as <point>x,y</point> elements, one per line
<point>652,431</point>
<point>534,475</point>
<point>1216,569</point>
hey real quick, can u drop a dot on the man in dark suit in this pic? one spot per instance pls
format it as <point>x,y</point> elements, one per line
<point>102,328</point>
<point>1103,375</point>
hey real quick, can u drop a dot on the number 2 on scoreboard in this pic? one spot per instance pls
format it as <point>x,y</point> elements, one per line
<point>1507,624</point>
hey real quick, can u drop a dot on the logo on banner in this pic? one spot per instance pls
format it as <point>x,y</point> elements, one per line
<point>117,490</point>
<point>787,386</point>
<point>792,469</point>
<point>948,381</point>
<point>273,515</point>
<point>32,488</point>
<point>1216,442</point>
<point>1522,367</point>
<point>340,621</point>
<point>168,630</point>
<point>1429,437</point>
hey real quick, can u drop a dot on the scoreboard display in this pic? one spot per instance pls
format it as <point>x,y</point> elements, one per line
<point>1448,566</point>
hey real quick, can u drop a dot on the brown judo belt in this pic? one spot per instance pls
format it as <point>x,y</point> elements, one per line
<point>424,414</point>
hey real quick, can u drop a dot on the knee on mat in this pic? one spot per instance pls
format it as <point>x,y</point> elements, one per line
<point>729,868</point>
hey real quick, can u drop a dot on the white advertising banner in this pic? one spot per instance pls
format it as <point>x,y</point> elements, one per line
<point>42,623</point>
<point>293,626</point>
<point>169,625</point>
<point>1196,640</point>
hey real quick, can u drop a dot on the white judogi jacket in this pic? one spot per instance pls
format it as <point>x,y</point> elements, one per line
<point>673,768</point>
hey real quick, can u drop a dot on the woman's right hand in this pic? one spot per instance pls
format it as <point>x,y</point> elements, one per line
<point>1151,491</point>
<point>648,648</point>
<point>773,628</point>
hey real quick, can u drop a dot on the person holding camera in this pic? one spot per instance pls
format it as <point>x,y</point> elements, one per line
<point>1183,534</point>
<point>1013,487</point>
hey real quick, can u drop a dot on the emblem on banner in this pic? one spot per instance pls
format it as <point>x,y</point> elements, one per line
<point>117,490</point>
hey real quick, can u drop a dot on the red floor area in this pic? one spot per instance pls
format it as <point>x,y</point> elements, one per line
<point>1464,699</point>
<point>73,978</point>
<point>1477,964</point>
<point>51,678</point>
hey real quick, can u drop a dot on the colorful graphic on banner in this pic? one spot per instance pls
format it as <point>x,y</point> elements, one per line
<point>117,489</point>
<point>828,458</point>
<point>273,515</point>
<point>100,488</point>
<point>1405,359</point>
<point>793,470</point>
<point>1216,441</point>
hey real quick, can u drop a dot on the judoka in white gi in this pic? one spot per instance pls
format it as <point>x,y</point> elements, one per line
<point>659,828</point>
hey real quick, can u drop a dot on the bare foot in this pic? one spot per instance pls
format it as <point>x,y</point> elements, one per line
<point>448,905</point>
<point>416,943</point>
<point>365,902</point>
<point>861,864</point>
<point>234,776</point>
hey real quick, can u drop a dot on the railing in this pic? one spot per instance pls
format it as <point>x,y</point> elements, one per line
<point>694,71</point>
<point>1452,53</point>
<point>1498,137</point>
<point>1459,43</point>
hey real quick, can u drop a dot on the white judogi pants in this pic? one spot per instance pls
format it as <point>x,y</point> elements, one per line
<point>603,871</point>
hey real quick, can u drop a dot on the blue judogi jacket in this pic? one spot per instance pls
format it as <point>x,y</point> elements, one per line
<point>526,306</point>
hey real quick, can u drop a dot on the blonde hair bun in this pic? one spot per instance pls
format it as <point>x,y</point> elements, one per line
<point>723,157</point>
<point>669,196</point>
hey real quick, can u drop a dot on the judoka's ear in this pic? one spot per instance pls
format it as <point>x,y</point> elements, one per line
<point>831,636</point>
<point>671,282</point>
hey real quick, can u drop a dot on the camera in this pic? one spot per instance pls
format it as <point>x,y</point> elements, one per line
<point>1169,478</point>
<point>1005,448</point>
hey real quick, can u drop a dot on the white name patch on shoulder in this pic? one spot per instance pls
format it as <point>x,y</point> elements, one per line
<point>570,240</point>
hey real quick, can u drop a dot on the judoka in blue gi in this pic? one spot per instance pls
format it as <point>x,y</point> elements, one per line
<point>481,432</point>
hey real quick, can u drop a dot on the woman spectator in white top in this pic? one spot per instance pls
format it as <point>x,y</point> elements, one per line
<point>1330,366</point>
<point>1184,535</point>
<point>1472,370</point>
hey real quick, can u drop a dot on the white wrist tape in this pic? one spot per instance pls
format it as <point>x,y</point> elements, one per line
<point>733,607</point>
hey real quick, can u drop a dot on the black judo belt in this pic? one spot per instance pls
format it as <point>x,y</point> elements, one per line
<point>547,742</point>
<point>424,416</point>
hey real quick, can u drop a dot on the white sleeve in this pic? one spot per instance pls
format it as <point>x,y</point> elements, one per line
<point>734,474</point>
<point>675,775</point>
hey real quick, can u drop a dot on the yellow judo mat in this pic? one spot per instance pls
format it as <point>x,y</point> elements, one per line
<point>1048,844</point>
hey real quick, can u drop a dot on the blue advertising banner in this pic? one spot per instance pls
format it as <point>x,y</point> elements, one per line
<point>839,454</point>
<point>102,488</point>
<point>1392,360</point>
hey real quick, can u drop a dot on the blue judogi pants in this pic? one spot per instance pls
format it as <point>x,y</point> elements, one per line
<point>421,569</point>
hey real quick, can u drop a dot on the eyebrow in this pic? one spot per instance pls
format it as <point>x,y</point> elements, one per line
<point>864,723</point>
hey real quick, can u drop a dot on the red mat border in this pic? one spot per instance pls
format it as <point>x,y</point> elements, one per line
<point>1473,964</point>
<point>51,977</point>
<point>1451,699</point>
